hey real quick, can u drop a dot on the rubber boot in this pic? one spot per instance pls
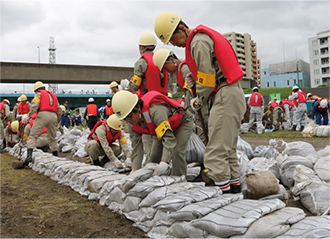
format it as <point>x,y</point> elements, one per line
<point>4,143</point>
<point>104,160</point>
<point>293,128</point>
<point>302,128</point>
<point>96,162</point>
<point>235,188</point>
<point>28,157</point>
<point>55,153</point>
<point>274,128</point>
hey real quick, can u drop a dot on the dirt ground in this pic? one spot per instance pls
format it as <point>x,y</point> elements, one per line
<point>34,206</point>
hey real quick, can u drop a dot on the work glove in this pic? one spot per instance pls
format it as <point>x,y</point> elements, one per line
<point>25,119</point>
<point>128,162</point>
<point>118,163</point>
<point>190,80</point>
<point>124,83</point>
<point>194,105</point>
<point>161,168</point>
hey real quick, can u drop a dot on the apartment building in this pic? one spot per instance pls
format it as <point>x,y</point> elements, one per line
<point>319,58</point>
<point>246,51</point>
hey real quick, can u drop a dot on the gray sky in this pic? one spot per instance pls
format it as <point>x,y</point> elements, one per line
<point>107,32</point>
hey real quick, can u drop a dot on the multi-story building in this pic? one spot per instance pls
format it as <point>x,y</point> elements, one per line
<point>246,51</point>
<point>286,74</point>
<point>319,58</point>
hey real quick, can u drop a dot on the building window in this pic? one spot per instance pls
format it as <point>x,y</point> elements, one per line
<point>267,84</point>
<point>314,43</point>
<point>316,71</point>
<point>265,73</point>
<point>274,83</point>
<point>316,62</point>
<point>316,52</point>
<point>288,82</point>
<point>294,81</point>
<point>317,81</point>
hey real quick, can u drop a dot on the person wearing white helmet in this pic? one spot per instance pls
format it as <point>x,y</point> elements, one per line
<point>48,116</point>
<point>320,110</point>
<point>92,114</point>
<point>107,109</point>
<point>214,69</point>
<point>256,102</point>
<point>155,114</point>
<point>5,117</point>
<point>289,107</point>
<point>167,60</point>
<point>101,143</point>
<point>299,98</point>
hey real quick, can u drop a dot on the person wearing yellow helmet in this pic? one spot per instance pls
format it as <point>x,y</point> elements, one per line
<point>165,119</point>
<point>11,133</point>
<point>24,105</point>
<point>101,143</point>
<point>215,71</point>
<point>5,117</point>
<point>114,87</point>
<point>48,116</point>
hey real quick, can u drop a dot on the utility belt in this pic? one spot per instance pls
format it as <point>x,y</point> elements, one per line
<point>222,83</point>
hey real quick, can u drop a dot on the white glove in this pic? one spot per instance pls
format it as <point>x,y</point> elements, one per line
<point>124,83</point>
<point>118,163</point>
<point>194,105</point>
<point>128,162</point>
<point>25,119</point>
<point>1,141</point>
<point>161,169</point>
<point>190,80</point>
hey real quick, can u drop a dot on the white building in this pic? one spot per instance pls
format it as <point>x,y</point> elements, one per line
<point>319,58</point>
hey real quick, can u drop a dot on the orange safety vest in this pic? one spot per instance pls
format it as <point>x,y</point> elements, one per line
<point>319,108</point>
<point>91,110</point>
<point>153,97</point>
<point>108,110</point>
<point>224,54</point>
<point>253,97</point>
<point>45,102</point>
<point>110,138</point>
<point>23,109</point>
<point>152,77</point>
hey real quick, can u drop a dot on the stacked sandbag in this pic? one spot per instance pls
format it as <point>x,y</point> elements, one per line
<point>269,151</point>
<point>322,131</point>
<point>195,150</point>
<point>245,147</point>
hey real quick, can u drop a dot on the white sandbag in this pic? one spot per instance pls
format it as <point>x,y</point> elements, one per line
<point>322,131</point>
<point>66,168</point>
<point>324,152</point>
<point>163,192</point>
<point>195,149</point>
<point>260,128</point>
<point>185,230</point>
<point>192,172</point>
<point>108,187</point>
<point>244,147</point>
<point>267,151</point>
<point>92,176</point>
<point>273,224</point>
<point>243,162</point>
<point>322,168</point>
<point>301,148</point>
<point>235,218</point>
<point>258,164</point>
<point>81,171</point>
<point>200,209</point>
<point>97,184</point>
<point>161,219</point>
<point>177,201</point>
<point>314,194</point>
<point>244,128</point>
<point>158,232</point>
<point>310,227</point>
<point>142,189</point>
<point>65,180</point>
<point>287,165</point>
<point>131,203</point>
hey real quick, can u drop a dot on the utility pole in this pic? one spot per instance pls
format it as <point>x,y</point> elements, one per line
<point>52,60</point>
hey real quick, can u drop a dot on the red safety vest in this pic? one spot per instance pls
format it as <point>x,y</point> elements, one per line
<point>302,98</point>
<point>152,77</point>
<point>91,110</point>
<point>223,51</point>
<point>253,97</point>
<point>110,138</point>
<point>273,105</point>
<point>45,102</point>
<point>23,109</point>
<point>290,103</point>
<point>182,102</point>
<point>319,108</point>
<point>1,108</point>
<point>31,121</point>
<point>179,77</point>
<point>108,110</point>
<point>153,97</point>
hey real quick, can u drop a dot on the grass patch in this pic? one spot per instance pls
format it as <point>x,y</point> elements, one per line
<point>277,134</point>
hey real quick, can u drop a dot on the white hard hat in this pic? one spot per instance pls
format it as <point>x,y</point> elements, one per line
<point>323,103</point>
<point>295,88</point>
<point>255,88</point>
<point>108,100</point>
<point>91,100</point>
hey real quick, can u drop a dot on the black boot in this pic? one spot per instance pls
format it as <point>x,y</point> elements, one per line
<point>293,128</point>
<point>302,128</point>
<point>104,160</point>
<point>235,188</point>
<point>55,153</point>
<point>96,162</point>
<point>28,157</point>
<point>4,143</point>
<point>274,128</point>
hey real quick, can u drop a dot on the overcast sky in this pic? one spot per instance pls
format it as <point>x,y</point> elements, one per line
<point>106,33</point>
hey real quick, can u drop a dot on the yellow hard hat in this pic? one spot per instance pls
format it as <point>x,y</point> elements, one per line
<point>123,102</point>
<point>165,24</point>
<point>160,57</point>
<point>309,94</point>
<point>19,99</point>
<point>169,95</point>
<point>148,39</point>
<point>7,101</point>
<point>269,102</point>
<point>14,126</point>
<point>62,107</point>
<point>114,122</point>
<point>113,84</point>
<point>38,85</point>
<point>23,97</point>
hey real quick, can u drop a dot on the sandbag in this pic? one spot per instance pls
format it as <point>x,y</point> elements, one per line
<point>301,148</point>
<point>322,131</point>
<point>195,150</point>
<point>322,168</point>
<point>259,184</point>
<point>245,147</point>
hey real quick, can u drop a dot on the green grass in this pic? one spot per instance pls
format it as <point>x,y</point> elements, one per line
<point>277,134</point>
